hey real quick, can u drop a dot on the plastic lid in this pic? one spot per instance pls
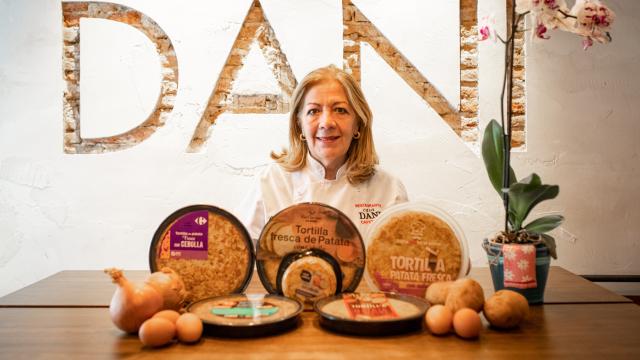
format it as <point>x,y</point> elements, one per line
<point>241,315</point>
<point>208,247</point>
<point>371,313</point>
<point>308,276</point>
<point>411,245</point>
<point>310,226</point>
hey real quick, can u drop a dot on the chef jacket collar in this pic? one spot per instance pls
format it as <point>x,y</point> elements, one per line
<point>318,171</point>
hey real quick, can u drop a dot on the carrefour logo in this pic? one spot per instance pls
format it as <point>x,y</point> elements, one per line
<point>201,220</point>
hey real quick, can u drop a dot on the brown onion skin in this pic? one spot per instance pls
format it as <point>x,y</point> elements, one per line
<point>170,286</point>
<point>131,305</point>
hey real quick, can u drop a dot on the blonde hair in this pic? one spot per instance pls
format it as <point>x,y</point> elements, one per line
<point>361,156</point>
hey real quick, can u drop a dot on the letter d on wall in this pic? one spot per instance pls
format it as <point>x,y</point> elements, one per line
<point>71,14</point>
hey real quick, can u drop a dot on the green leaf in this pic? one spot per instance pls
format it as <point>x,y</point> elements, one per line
<point>493,155</point>
<point>551,245</point>
<point>525,195</point>
<point>544,224</point>
<point>533,180</point>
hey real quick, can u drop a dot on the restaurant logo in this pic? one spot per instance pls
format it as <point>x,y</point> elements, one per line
<point>368,212</point>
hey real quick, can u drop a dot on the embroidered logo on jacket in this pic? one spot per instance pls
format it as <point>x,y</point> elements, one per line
<point>368,212</point>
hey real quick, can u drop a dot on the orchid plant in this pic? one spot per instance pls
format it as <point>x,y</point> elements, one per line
<point>591,20</point>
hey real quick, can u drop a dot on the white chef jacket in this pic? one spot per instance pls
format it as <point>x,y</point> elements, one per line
<point>277,189</point>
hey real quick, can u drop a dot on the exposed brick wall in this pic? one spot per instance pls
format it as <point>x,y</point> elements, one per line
<point>518,119</point>
<point>469,98</point>
<point>71,14</point>
<point>255,27</point>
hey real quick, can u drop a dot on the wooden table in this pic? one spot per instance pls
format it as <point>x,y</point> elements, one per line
<point>65,316</point>
<point>91,288</point>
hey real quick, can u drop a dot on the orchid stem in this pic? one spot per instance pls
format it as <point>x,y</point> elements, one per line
<point>507,87</point>
<point>567,15</point>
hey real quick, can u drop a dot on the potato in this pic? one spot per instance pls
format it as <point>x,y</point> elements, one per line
<point>506,309</point>
<point>437,292</point>
<point>465,293</point>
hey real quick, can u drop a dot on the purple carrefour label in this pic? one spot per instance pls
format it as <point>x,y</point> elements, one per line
<point>190,236</point>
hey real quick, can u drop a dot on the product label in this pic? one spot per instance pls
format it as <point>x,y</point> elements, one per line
<point>189,236</point>
<point>313,285</point>
<point>412,250</point>
<point>410,282</point>
<point>412,275</point>
<point>310,226</point>
<point>244,309</point>
<point>374,306</point>
<point>367,212</point>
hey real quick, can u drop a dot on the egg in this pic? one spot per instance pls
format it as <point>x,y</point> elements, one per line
<point>439,319</point>
<point>189,327</point>
<point>467,323</point>
<point>157,331</point>
<point>170,315</point>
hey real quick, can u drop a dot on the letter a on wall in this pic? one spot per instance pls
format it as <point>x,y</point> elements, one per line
<point>255,27</point>
<point>71,14</point>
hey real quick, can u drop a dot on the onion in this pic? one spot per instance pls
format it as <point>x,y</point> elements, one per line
<point>131,305</point>
<point>170,286</point>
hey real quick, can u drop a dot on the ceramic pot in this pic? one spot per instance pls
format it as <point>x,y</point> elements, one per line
<point>496,265</point>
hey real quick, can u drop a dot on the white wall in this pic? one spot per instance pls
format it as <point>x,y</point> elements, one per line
<point>60,211</point>
<point>583,134</point>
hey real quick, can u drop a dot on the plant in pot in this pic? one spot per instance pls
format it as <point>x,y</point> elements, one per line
<point>520,197</point>
<point>519,255</point>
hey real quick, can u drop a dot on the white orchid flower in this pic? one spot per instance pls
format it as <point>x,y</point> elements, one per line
<point>487,28</point>
<point>593,21</point>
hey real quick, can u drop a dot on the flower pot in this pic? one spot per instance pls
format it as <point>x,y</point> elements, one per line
<point>496,262</point>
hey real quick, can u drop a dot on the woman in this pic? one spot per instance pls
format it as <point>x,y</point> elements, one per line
<point>331,157</point>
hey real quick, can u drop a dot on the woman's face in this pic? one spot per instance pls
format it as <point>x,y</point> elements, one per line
<point>328,123</point>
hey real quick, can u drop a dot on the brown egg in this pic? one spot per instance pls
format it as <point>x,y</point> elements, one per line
<point>467,323</point>
<point>170,315</point>
<point>189,328</point>
<point>439,319</point>
<point>157,332</point>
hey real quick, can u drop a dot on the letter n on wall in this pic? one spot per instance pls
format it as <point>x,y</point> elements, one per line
<point>462,120</point>
<point>71,14</point>
<point>358,28</point>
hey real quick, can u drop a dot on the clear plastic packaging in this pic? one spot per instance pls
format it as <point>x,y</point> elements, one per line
<point>247,315</point>
<point>411,245</point>
<point>372,314</point>
<point>308,276</point>
<point>308,226</point>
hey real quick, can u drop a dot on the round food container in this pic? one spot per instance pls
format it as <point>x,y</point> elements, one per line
<point>371,314</point>
<point>411,245</point>
<point>308,276</point>
<point>249,315</point>
<point>310,226</point>
<point>208,247</point>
